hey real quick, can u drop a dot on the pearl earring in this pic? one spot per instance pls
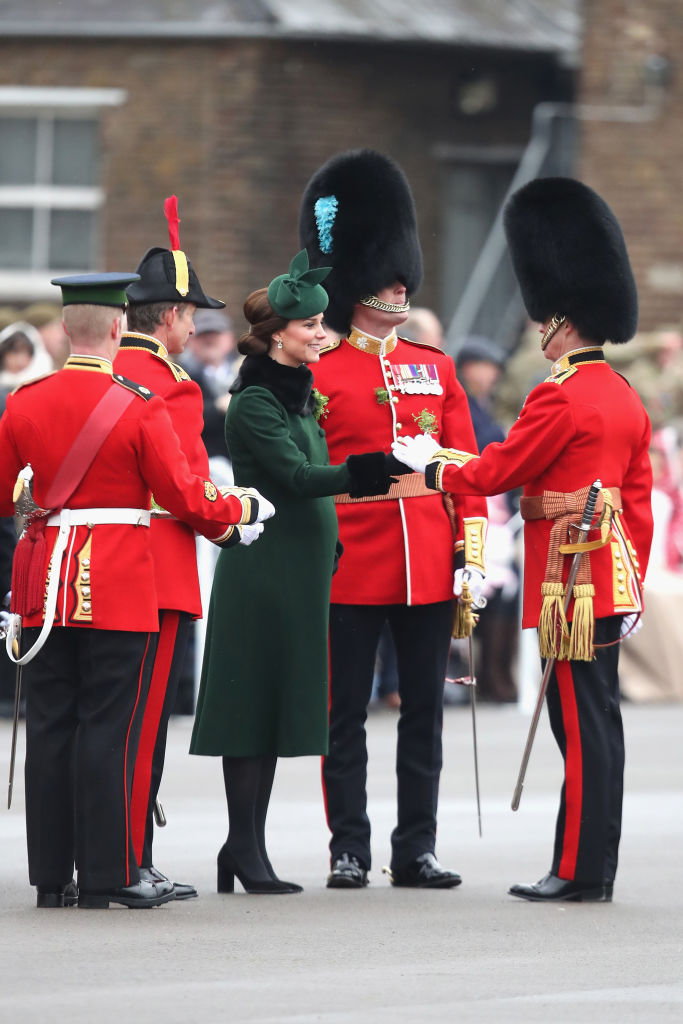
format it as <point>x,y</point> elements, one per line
<point>279,342</point>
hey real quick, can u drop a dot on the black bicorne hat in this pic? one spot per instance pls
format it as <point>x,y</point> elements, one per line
<point>358,215</point>
<point>166,275</point>
<point>570,258</point>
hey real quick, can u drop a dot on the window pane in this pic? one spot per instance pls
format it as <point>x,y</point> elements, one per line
<point>16,234</point>
<point>17,150</point>
<point>76,156</point>
<point>72,240</point>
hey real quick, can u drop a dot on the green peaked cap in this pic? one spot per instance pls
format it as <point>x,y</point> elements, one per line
<point>299,294</point>
<point>95,289</point>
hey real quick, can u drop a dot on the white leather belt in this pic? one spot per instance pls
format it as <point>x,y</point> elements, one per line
<point>100,516</point>
<point>66,519</point>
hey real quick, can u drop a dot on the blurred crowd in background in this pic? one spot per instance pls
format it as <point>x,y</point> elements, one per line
<point>32,343</point>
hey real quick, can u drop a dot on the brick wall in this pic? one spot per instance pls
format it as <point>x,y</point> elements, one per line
<point>638,165</point>
<point>236,128</point>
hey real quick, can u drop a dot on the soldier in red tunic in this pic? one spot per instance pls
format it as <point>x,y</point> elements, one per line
<point>583,423</point>
<point>83,583</point>
<point>400,549</point>
<point>161,307</point>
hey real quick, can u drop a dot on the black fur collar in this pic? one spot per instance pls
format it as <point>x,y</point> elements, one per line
<point>291,385</point>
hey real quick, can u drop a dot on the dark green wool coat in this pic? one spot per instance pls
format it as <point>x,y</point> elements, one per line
<point>264,684</point>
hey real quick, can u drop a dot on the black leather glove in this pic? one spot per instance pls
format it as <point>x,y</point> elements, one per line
<point>369,474</point>
<point>339,551</point>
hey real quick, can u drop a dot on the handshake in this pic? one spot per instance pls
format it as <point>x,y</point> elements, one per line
<point>415,452</point>
<point>257,508</point>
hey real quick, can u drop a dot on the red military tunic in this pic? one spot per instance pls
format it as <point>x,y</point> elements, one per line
<point>107,574</point>
<point>583,423</point>
<point>397,549</point>
<point>144,359</point>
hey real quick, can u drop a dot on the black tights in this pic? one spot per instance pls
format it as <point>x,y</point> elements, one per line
<point>248,785</point>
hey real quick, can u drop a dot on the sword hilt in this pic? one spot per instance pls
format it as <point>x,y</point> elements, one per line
<point>589,507</point>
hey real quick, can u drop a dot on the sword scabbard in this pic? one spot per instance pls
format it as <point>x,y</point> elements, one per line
<point>584,528</point>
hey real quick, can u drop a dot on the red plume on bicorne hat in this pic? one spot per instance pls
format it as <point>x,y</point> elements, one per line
<point>166,275</point>
<point>182,274</point>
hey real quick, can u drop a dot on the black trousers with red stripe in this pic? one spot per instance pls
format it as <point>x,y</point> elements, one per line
<point>585,717</point>
<point>422,636</point>
<point>85,695</point>
<point>174,632</point>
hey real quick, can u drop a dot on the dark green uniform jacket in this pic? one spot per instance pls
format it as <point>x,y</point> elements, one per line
<point>264,685</point>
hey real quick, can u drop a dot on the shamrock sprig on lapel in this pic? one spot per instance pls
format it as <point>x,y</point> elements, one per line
<point>426,421</point>
<point>321,410</point>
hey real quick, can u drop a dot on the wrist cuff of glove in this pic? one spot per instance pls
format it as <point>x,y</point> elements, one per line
<point>228,539</point>
<point>250,510</point>
<point>369,474</point>
<point>432,475</point>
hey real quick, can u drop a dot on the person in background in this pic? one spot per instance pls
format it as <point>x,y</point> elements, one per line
<point>47,320</point>
<point>423,326</point>
<point>479,365</point>
<point>583,424</point>
<point>212,360</point>
<point>404,558</point>
<point>264,686</point>
<point>22,357</point>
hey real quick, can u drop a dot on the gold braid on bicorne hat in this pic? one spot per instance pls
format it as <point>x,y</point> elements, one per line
<point>554,638</point>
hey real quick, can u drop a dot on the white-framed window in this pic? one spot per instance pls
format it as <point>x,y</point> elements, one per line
<point>50,185</point>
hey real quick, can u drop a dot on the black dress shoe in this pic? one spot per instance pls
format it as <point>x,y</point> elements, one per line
<point>57,896</point>
<point>552,888</point>
<point>347,873</point>
<point>183,891</point>
<point>425,872</point>
<point>142,894</point>
<point>227,868</point>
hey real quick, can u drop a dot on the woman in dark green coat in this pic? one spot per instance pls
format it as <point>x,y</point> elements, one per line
<point>264,684</point>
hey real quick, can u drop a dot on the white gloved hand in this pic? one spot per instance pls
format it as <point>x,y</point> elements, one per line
<point>415,452</point>
<point>266,509</point>
<point>5,619</point>
<point>627,623</point>
<point>250,533</point>
<point>475,581</point>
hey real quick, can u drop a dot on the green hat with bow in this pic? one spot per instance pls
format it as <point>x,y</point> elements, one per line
<point>298,294</point>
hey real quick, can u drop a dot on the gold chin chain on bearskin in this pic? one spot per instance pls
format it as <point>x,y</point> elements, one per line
<point>555,323</point>
<point>386,307</point>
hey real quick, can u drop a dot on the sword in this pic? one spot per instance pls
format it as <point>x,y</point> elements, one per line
<point>471,682</point>
<point>586,520</point>
<point>473,706</point>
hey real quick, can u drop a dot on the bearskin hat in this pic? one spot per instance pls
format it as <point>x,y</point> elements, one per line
<point>358,215</point>
<point>570,258</point>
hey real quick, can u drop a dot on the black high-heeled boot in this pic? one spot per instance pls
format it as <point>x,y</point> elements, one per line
<point>228,869</point>
<point>268,765</point>
<point>241,854</point>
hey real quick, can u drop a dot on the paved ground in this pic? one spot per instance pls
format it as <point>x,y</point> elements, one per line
<point>469,954</point>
